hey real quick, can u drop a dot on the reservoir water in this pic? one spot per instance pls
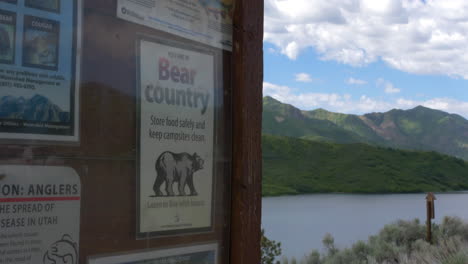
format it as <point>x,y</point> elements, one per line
<point>300,222</point>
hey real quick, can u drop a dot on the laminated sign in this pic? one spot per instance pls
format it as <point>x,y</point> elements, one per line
<point>176,135</point>
<point>39,215</point>
<point>200,254</point>
<point>39,69</point>
<point>205,21</point>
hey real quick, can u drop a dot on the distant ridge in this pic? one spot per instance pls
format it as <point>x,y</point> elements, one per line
<point>420,128</point>
<point>36,108</point>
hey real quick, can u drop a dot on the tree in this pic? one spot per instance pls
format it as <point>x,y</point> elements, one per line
<point>270,250</point>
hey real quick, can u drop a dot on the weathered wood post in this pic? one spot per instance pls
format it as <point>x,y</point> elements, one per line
<point>247,125</point>
<point>430,198</point>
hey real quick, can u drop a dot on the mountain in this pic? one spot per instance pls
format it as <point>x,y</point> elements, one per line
<point>297,166</point>
<point>37,108</point>
<point>286,120</point>
<point>420,128</point>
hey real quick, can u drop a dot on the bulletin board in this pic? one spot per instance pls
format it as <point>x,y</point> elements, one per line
<point>105,153</point>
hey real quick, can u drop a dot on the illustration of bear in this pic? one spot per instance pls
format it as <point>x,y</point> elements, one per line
<point>172,167</point>
<point>63,251</point>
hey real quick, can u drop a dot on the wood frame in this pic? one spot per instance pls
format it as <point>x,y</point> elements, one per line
<point>247,125</point>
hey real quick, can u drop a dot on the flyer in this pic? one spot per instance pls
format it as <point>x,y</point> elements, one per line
<point>176,135</point>
<point>200,254</point>
<point>205,21</point>
<point>10,1</point>
<point>39,70</point>
<point>39,214</point>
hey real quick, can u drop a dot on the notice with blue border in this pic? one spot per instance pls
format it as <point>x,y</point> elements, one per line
<point>39,70</point>
<point>205,21</point>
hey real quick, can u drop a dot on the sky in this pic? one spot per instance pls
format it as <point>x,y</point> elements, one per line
<point>362,56</point>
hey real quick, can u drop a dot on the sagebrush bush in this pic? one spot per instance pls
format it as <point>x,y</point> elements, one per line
<point>402,242</point>
<point>453,226</point>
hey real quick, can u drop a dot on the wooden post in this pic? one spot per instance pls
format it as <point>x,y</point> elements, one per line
<point>247,124</point>
<point>430,198</point>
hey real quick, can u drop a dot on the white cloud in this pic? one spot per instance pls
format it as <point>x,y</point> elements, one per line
<point>303,77</point>
<point>331,101</point>
<point>449,105</point>
<point>292,50</point>
<point>389,88</point>
<point>419,37</point>
<point>304,100</point>
<point>272,50</point>
<point>353,81</point>
<point>345,103</point>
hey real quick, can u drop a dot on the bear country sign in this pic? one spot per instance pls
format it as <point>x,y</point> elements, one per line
<point>176,135</point>
<point>39,214</point>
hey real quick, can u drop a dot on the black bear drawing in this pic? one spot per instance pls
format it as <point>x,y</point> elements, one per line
<point>171,168</point>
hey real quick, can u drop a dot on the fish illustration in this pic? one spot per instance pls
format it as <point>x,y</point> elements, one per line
<point>63,251</point>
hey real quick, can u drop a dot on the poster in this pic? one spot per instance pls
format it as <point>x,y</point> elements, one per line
<point>176,135</point>
<point>202,254</point>
<point>205,21</point>
<point>39,215</point>
<point>39,69</point>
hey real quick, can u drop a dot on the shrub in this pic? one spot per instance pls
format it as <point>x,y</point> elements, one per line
<point>401,242</point>
<point>329,243</point>
<point>313,258</point>
<point>453,226</point>
<point>270,249</point>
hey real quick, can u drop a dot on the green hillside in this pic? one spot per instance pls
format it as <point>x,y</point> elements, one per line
<point>297,166</point>
<point>420,128</point>
<point>351,123</point>
<point>423,129</point>
<point>286,120</point>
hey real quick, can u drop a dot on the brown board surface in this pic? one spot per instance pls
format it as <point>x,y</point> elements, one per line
<point>105,158</point>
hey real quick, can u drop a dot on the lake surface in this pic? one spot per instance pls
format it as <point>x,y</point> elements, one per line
<point>300,222</point>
